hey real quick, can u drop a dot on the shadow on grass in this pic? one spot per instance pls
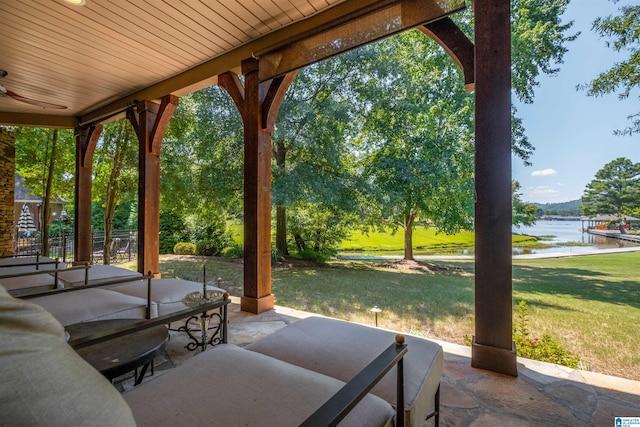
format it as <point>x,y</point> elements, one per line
<point>577,283</point>
<point>420,297</point>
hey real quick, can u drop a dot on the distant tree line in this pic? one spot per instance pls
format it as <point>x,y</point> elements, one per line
<point>570,208</point>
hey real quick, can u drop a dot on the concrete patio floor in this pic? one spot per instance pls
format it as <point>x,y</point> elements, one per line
<point>542,395</point>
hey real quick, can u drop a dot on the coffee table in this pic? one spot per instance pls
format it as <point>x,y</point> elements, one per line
<point>123,354</point>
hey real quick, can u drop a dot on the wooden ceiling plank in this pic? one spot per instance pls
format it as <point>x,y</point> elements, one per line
<point>318,4</point>
<point>55,51</point>
<point>228,16</point>
<point>75,33</point>
<point>108,71</point>
<point>190,27</point>
<point>305,8</point>
<point>257,15</point>
<point>161,18</point>
<point>213,21</point>
<point>289,10</point>
<point>134,44</point>
<point>115,20</point>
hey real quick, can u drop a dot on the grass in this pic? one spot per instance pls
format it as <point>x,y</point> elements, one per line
<point>589,304</point>
<point>425,241</point>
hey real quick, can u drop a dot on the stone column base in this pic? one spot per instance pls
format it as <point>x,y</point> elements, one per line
<point>494,359</point>
<point>257,305</point>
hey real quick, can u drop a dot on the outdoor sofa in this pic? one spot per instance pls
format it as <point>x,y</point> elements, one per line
<point>103,292</point>
<point>28,273</point>
<point>45,382</point>
<point>330,348</point>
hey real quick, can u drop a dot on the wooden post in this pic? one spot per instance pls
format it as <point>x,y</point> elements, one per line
<point>150,121</point>
<point>86,141</point>
<point>258,104</point>
<point>493,348</point>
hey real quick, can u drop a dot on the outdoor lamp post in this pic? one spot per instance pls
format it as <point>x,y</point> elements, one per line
<point>375,310</point>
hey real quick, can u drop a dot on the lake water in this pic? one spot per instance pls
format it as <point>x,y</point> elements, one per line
<point>567,232</point>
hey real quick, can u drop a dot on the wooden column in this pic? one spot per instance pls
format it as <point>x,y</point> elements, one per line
<point>493,348</point>
<point>258,104</point>
<point>150,121</point>
<point>86,141</point>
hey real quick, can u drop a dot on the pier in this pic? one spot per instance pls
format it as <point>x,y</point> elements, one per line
<point>635,238</point>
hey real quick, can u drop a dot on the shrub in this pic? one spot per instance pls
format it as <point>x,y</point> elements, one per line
<point>235,251</point>
<point>544,349</point>
<point>171,231</point>
<point>311,255</point>
<point>184,248</point>
<point>207,248</point>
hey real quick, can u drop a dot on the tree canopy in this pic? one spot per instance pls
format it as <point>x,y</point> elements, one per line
<point>623,35</point>
<point>615,189</point>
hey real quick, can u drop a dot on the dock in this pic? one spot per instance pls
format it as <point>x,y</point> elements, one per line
<point>614,234</point>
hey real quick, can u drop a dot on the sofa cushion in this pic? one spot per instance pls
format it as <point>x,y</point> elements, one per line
<point>166,293</point>
<point>44,382</point>
<point>85,305</point>
<point>229,386</point>
<point>341,349</point>
<point>11,261</point>
<point>97,273</point>
<point>33,283</point>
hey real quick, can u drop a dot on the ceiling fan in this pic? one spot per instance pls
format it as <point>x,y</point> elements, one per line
<point>6,92</point>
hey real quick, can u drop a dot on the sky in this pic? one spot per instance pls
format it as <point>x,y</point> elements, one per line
<point>573,133</point>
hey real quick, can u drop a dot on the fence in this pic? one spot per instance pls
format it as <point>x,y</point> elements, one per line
<point>123,245</point>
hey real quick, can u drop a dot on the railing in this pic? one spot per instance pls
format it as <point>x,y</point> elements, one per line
<point>123,247</point>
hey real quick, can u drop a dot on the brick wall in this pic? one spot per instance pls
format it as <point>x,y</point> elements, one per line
<point>7,170</point>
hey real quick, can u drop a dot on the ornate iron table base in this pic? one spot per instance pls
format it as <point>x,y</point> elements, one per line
<point>209,334</point>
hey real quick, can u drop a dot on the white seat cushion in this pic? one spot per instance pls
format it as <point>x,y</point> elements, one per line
<point>34,282</point>
<point>11,261</point>
<point>341,349</point>
<point>85,305</point>
<point>229,386</point>
<point>96,274</point>
<point>166,293</point>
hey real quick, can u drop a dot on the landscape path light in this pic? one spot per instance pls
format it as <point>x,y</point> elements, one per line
<point>375,310</point>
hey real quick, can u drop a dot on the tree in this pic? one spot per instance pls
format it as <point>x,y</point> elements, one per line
<point>202,168</point>
<point>523,213</point>
<point>312,149</point>
<point>538,42</point>
<point>115,174</point>
<point>623,77</point>
<point>417,137</point>
<point>45,158</point>
<point>421,118</point>
<point>615,189</point>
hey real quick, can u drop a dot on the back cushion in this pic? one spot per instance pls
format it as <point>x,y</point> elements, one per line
<point>44,381</point>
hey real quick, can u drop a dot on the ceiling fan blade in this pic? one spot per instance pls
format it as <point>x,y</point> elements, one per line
<point>31,101</point>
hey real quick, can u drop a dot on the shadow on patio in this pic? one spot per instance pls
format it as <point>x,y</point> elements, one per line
<point>544,394</point>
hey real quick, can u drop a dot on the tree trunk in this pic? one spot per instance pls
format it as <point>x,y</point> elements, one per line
<point>408,237</point>
<point>300,243</point>
<point>46,203</point>
<point>280,155</point>
<point>281,230</point>
<point>112,195</point>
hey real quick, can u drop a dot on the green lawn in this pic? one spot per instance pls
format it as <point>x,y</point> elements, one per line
<point>589,304</point>
<point>425,241</point>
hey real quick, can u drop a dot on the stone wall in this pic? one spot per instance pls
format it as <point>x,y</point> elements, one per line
<point>7,171</point>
